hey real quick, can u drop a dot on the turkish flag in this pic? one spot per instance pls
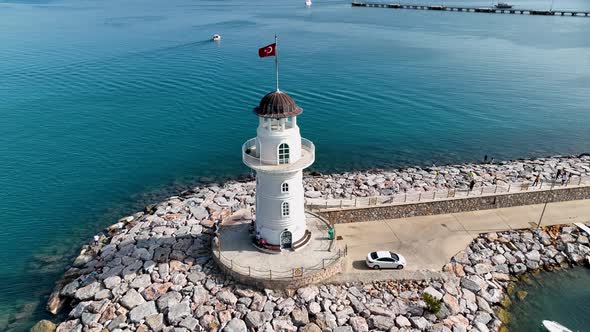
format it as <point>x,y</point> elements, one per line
<point>268,50</point>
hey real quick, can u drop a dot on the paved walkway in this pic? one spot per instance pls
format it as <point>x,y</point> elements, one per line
<point>429,242</point>
<point>241,256</point>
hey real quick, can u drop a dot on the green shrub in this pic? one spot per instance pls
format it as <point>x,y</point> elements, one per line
<point>432,304</point>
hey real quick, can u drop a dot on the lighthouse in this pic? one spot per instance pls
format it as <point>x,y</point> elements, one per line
<point>278,154</point>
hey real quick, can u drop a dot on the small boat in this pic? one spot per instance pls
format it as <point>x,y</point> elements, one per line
<point>552,326</point>
<point>216,37</point>
<point>485,10</point>
<point>308,3</point>
<point>503,5</point>
<point>437,7</point>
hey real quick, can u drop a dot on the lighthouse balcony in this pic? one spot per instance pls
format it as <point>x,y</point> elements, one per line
<point>251,158</point>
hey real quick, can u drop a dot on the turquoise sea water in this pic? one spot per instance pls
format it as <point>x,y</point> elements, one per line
<point>562,297</point>
<point>108,105</point>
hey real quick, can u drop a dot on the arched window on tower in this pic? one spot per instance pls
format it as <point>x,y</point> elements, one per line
<point>284,153</point>
<point>285,209</point>
<point>285,187</point>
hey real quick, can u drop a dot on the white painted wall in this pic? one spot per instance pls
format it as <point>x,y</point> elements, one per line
<point>269,141</point>
<point>270,222</point>
<point>269,198</point>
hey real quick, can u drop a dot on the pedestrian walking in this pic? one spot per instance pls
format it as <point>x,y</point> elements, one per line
<point>537,180</point>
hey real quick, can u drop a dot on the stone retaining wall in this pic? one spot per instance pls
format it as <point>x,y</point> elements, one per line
<point>283,283</point>
<point>385,212</point>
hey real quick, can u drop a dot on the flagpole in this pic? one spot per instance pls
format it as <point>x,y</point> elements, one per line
<point>277,62</point>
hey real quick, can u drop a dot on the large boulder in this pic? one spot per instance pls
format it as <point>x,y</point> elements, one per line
<point>178,312</point>
<point>143,310</point>
<point>235,325</point>
<point>44,326</point>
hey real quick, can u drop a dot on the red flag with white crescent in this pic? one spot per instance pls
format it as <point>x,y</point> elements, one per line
<point>268,50</point>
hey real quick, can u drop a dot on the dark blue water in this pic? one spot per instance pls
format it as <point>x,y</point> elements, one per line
<point>563,297</point>
<point>105,105</point>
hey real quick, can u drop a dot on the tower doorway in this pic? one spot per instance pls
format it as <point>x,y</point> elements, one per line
<point>286,240</point>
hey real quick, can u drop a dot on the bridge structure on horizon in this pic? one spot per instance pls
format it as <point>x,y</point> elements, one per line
<point>489,10</point>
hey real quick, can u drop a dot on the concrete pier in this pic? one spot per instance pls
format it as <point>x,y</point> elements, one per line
<point>489,10</point>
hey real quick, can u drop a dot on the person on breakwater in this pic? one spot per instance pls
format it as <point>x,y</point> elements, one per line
<point>537,179</point>
<point>96,239</point>
<point>564,178</point>
<point>471,184</point>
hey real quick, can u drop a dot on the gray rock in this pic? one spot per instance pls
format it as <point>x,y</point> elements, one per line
<point>69,290</point>
<point>90,319</point>
<point>168,299</point>
<point>313,194</point>
<point>484,305</point>
<point>534,256</point>
<point>190,323</point>
<point>143,310</point>
<point>79,309</point>
<point>313,308</point>
<point>178,312</point>
<point>132,299</point>
<point>308,294</point>
<point>226,297</point>
<point>419,323</point>
<point>345,328</point>
<point>255,319</point>
<point>433,292</point>
<point>141,281</point>
<point>235,325</point>
<point>300,317</point>
<point>380,311</point>
<point>196,277</point>
<point>518,268</point>
<point>200,295</point>
<point>87,292</point>
<point>283,324</point>
<point>311,327</point>
<point>70,326</point>
<point>402,321</point>
<point>155,322</point>
<point>359,324</point>
<point>482,317</point>
<point>117,322</point>
<point>470,284</point>
<point>382,323</point>
<point>199,212</point>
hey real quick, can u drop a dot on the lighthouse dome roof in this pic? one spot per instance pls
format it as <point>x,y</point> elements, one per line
<point>277,104</point>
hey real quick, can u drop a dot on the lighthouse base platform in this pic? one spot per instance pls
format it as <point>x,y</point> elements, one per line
<point>319,259</point>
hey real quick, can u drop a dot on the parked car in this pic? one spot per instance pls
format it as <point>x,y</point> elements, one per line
<point>385,260</point>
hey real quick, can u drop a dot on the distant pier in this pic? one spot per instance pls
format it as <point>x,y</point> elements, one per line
<point>490,10</point>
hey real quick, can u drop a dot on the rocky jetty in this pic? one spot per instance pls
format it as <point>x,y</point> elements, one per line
<point>416,179</point>
<point>154,271</point>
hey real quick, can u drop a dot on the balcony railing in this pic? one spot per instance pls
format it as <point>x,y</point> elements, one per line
<point>251,157</point>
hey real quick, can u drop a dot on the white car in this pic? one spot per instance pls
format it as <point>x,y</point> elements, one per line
<point>385,260</point>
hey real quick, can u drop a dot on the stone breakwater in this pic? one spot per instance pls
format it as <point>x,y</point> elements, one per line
<point>189,295</point>
<point>415,179</point>
<point>156,272</point>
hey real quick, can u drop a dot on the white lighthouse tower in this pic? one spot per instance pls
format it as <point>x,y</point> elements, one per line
<point>278,154</point>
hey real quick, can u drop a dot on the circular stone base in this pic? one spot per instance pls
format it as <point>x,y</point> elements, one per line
<point>319,259</point>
